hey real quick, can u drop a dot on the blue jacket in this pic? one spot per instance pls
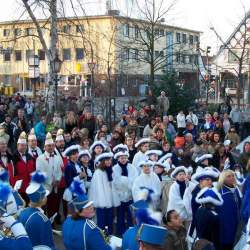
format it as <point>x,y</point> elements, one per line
<point>38,227</point>
<point>83,234</point>
<point>69,173</point>
<point>20,243</point>
<point>229,214</point>
<point>40,131</point>
<point>129,241</point>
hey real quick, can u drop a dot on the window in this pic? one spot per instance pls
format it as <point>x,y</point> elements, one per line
<point>162,32</point>
<point>126,30</point>
<point>147,55</point>
<point>29,31</point>
<point>29,53</point>
<point>157,32</point>
<point>6,32</point>
<point>66,54</point>
<point>183,59</point>
<point>6,56</point>
<point>184,38</point>
<point>157,54</point>
<point>79,54</point>
<point>178,37</point>
<point>197,39</point>
<point>191,39</point>
<point>196,59</point>
<point>79,28</point>
<point>66,29</point>
<point>136,31</point>
<point>135,54</point>
<point>191,59</point>
<point>126,54</point>
<point>41,54</point>
<point>17,32</point>
<point>18,55</point>
<point>161,53</point>
<point>178,57</point>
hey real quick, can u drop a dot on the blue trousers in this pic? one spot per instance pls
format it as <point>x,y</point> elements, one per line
<point>123,214</point>
<point>105,218</point>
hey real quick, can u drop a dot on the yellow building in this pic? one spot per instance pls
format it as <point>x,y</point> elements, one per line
<point>107,47</point>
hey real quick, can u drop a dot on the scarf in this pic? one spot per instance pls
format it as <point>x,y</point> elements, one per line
<point>123,168</point>
<point>182,187</point>
<point>109,172</point>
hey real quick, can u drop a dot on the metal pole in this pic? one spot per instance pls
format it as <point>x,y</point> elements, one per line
<point>56,86</point>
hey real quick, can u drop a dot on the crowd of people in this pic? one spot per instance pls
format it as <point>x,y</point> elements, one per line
<point>155,181</point>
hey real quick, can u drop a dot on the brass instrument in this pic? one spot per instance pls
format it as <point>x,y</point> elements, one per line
<point>105,235</point>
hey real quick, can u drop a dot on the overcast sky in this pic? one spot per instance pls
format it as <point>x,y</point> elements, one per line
<point>224,15</point>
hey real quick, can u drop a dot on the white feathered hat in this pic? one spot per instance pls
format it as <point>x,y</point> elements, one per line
<point>120,147</point>
<point>199,159</point>
<point>121,153</point>
<point>97,143</point>
<point>103,156</point>
<point>142,141</point>
<point>177,170</point>
<point>153,152</point>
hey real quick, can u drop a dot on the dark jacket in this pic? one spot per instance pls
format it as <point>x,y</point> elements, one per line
<point>176,240</point>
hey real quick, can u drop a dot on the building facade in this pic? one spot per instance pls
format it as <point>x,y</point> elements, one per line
<point>102,55</point>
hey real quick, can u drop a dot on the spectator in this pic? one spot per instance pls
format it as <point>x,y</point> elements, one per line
<point>2,113</point>
<point>181,121</point>
<point>218,128</point>
<point>29,108</point>
<point>226,123</point>
<point>57,121</point>
<point>70,121</point>
<point>89,123</point>
<point>20,119</point>
<point>191,117</point>
<point>233,137</point>
<point>163,104</point>
<point>148,130</point>
<point>151,99</point>
<point>170,131</point>
<point>235,116</point>
<point>176,236</point>
<point>245,155</point>
<point>40,130</point>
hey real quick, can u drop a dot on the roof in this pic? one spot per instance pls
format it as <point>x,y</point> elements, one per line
<point>233,34</point>
<point>100,17</point>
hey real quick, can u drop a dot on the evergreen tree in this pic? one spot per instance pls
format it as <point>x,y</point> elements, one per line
<point>181,96</point>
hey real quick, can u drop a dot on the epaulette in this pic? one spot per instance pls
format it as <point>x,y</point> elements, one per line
<point>91,224</point>
<point>43,216</point>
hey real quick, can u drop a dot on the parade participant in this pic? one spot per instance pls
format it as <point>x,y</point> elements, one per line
<point>19,239</point>
<point>142,146</point>
<point>15,201</point>
<point>96,149</point>
<point>149,181</point>
<point>6,160</point>
<point>176,232</point>
<point>33,149</point>
<point>167,159</point>
<point>36,223</point>
<point>204,178</point>
<point>79,231</point>
<point>153,155</point>
<point>72,170</point>
<point>202,161</point>
<point>59,149</point>
<point>101,191</point>
<point>124,175</point>
<point>51,164</point>
<point>151,237</point>
<point>230,210</point>
<point>176,193</point>
<point>24,165</point>
<point>160,169</point>
<point>129,240</point>
<point>120,148</point>
<point>207,221</point>
<point>129,141</point>
<point>84,163</point>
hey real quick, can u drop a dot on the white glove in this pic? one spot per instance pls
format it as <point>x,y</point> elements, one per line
<point>8,220</point>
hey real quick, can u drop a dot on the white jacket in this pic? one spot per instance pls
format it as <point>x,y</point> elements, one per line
<point>181,121</point>
<point>139,156</point>
<point>52,166</point>
<point>150,181</point>
<point>123,184</point>
<point>175,202</point>
<point>101,191</point>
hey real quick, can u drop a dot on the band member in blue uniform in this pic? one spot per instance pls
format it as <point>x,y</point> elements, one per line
<point>229,212</point>
<point>124,175</point>
<point>36,223</point>
<point>20,239</point>
<point>79,231</point>
<point>152,237</point>
<point>207,221</point>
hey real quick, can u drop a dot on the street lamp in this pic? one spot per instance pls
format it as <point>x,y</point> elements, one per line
<point>57,68</point>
